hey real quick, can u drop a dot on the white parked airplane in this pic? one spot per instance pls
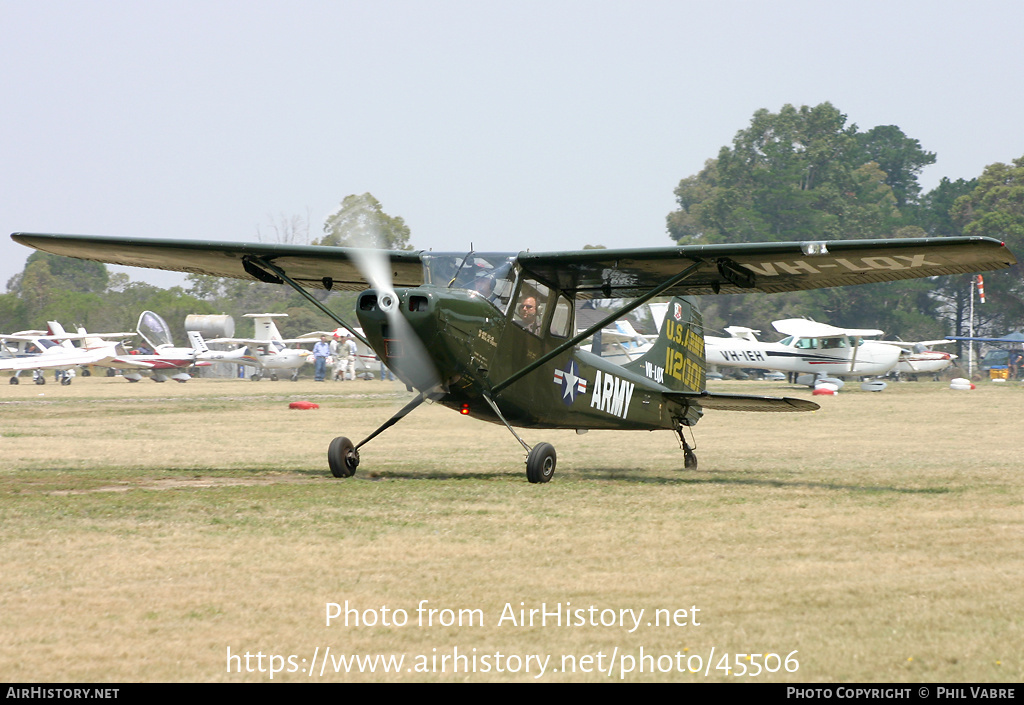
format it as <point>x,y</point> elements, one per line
<point>53,350</point>
<point>819,350</point>
<point>266,350</point>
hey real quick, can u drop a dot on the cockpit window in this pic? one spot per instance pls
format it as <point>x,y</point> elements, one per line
<point>490,274</point>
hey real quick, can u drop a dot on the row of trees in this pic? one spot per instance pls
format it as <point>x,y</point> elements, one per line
<point>805,174</point>
<point>799,174</point>
<point>77,292</point>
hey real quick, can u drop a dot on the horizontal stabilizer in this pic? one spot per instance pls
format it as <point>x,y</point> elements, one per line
<point>741,402</point>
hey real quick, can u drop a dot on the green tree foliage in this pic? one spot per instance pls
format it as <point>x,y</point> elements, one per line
<point>805,174</point>
<point>995,208</point>
<point>362,222</point>
<point>898,156</point>
<point>799,174</point>
<point>935,215</point>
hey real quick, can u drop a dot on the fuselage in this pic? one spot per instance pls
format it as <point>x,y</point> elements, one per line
<point>835,356</point>
<point>465,344</point>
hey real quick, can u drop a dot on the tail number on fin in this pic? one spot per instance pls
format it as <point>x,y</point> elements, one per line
<point>682,368</point>
<point>685,336</point>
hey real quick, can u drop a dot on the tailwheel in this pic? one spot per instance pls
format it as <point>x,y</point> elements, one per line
<point>540,464</point>
<point>343,457</point>
<point>689,459</point>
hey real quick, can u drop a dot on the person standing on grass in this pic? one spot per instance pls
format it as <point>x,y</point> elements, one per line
<point>321,351</point>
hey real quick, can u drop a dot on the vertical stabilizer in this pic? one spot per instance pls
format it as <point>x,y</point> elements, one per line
<point>264,328</point>
<point>677,356</point>
<point>195,339</point>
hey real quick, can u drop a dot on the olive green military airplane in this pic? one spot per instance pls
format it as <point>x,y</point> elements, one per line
<point>493,335</point>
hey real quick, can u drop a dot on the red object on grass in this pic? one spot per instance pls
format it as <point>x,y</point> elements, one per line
<point>303,405</point>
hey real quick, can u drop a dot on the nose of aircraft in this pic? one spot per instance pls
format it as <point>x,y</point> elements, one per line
<point>401,325</point>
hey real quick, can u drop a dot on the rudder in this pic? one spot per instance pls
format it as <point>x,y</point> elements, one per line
<point>677,357</point>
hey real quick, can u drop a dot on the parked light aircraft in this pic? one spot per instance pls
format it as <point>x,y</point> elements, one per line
<point>161,356</point>
<point>507,352</point>
<point>266,350</point>
<point>53,350</point>
<point>919,358</point>
<point>818,350</point>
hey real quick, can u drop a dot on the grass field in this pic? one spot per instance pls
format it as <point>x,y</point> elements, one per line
<point>161,532</point>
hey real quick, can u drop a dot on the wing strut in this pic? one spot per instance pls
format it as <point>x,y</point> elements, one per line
<point>636,303</point>
<point>399,415</point>
<point>257,266</point>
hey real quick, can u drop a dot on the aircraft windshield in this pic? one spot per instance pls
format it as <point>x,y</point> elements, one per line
<point>154,330</point>
<point>488,273</point>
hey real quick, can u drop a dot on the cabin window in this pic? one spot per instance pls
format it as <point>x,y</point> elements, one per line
<point>530,306</point>
<point>562,318</point>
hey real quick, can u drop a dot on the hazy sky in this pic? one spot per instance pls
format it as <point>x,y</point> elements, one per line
<point>501,124</point>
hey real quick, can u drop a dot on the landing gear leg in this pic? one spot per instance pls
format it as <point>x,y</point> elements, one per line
<point>343,457</point>
<point>689,457</point>
<point>540,460</point>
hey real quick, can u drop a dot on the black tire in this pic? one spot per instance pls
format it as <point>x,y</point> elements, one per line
<point>689,460</point>
<point>540,464</point>
<point>273,377</point>
<point>343,457</point>
<point>40,380</point>
<point>14,380</point>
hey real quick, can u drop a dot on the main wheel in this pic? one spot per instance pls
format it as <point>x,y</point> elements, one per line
<point>540,464</point>
<point>14,380</point>
<point>343,457</point>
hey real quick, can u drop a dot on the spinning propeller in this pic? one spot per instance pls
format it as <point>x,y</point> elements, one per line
<point>405,352</point>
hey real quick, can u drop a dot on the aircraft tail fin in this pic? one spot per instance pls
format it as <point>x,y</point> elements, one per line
<point>91,342</point>
<point>199,347</point>
<point>677,357</point>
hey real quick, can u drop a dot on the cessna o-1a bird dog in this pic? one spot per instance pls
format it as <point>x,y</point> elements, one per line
<point>492,335</point>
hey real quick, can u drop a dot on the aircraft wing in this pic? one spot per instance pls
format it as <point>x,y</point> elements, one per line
<point>44,361</point>
<point>741,402</point>
<point>803,328</point>
<point>262,341</point>
<point>1012,338</point>
<point>720,269</point>
<point>913,344</point>
<point>766,267</point>
<point>309,265</point>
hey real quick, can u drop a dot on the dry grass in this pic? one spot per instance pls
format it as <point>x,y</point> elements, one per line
<point>148,528</point>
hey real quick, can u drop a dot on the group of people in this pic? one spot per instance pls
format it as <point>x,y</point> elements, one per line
<point>342,351</point>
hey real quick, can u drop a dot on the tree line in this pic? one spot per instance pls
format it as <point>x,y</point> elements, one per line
<point>798,174</point>
<point>806,174</point>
